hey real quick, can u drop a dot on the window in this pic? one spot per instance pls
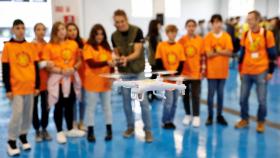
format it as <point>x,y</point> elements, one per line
<point>142,8</point>
<point>240,7</point>
<point>172,8</point>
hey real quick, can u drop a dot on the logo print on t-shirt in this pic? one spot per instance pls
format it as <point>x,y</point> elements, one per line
<point>191,51</point>
<point>254,46</point>
<point>171,58</point>
<point>218,47</point>
<point>23,59</point>
<point>103,57</point>
<point>66,55</point>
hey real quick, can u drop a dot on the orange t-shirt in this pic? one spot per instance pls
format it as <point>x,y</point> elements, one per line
<point>64,55</point>
<point>93,81</point>
<point>21,57</point>
<point>255,59</point>
<point>81,70</point>
<point>218,66</point>
<point>193,48</point>
<point>39,47</point>
<point>170,54</point>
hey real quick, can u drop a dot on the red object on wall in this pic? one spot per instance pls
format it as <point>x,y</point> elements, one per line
<point>69,18</point>
<point>59,9</point>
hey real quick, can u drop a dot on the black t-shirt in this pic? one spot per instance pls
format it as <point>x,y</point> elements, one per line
<point>138,39</point>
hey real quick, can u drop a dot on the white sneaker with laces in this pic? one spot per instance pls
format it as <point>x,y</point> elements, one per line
<point>61,138</point>
<point>196,121</point>
<point>26,146</point>
<point>75,133</point>
<point>187,120</point>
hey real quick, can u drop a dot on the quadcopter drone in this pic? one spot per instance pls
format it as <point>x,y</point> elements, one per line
<point>158,86</point>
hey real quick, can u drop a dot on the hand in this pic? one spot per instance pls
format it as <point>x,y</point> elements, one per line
<point>68,72</point>
<point>111,63</point>
<point>50,64</point>
<point>9,95</point>
<point>123,60</point>
<point>37,92</point>
<point>268,77</point>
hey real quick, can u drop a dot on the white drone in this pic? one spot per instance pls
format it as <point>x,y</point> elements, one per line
<point>157,86</point>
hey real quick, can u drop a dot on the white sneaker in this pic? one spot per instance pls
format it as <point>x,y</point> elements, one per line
<point>187,120</point>
<point>196,121</point>
<point>61,138</point>
<point>75,133</point>
<point>13,151</point>
<point>26,146</point>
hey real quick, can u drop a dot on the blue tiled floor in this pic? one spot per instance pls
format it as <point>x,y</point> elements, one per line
<point>184,142</point>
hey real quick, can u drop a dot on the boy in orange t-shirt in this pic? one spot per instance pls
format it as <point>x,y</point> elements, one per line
<point>193,49</point>
<point>170,57</point>
<point>21,80</point>
<point>98,58</point>
<point>218,48</point>
<point>258,53</point>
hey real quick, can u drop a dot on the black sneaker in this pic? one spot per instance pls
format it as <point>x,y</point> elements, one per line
<point>90,135</point>
<point>221,120</point>
<point>24,142</point>
<point>168,126</point>
<point>12,149</point>
<point>209,121</point>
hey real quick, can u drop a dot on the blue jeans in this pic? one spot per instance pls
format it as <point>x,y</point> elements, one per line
<point>145,111</point>
<point>91,102</point>
<point>215,85</point>
<point>79,108</point>
<point>169,106</point>
<point>261,89</point>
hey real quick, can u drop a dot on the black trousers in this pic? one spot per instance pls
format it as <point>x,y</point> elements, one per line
<point>192,96</point>
<point>64,108</point>
<point>43,122</point>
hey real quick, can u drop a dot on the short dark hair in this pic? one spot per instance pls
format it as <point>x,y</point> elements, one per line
<point>257,14</point>
<point>171,28</point>
<point>17,22</point>
<point>216,17</point>
<point>189,21</point>
<point>120,12</point>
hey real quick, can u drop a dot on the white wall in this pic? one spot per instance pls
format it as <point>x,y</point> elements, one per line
<point>96,11</point>
<point>269,8</point>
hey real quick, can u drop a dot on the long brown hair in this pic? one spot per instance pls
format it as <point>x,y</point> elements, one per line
<point>78,39</point>
<point>54,31</point>
<point>93,33</point>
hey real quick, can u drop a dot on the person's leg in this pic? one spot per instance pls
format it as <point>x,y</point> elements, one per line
<point>106,105</point>
<point>195,91</point>
<point>167,105</point>
<point>58,111</point>
<point>186,97</point>
<point>261,88</point>
<point>82,105</point>
<point>220,96</point>
<point>175,96</point>
<point>68,108</point>
<point>246,85</point>
<point>126,95</point>
<point>91,101</point>
<point>107,109</point>
<point>145,111</point>
<point>212,84</point>
<point>16,118</point>
<point>45,109</point>
<point>35,119</point>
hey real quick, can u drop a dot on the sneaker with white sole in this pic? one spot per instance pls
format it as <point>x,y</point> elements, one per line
<point>12,148</point>
<point>196,121</point>
<point>187,120</point>
<point>24,142</point>
<point>61,138</point>
<point>75,133</point>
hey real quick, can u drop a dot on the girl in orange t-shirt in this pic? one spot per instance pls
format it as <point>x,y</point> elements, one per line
<point>193,49</point>
<point>73,33</point>
<point>39,44</point>
<point>98,57</point>
<point>65,56</point>
<point>218,48</point>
